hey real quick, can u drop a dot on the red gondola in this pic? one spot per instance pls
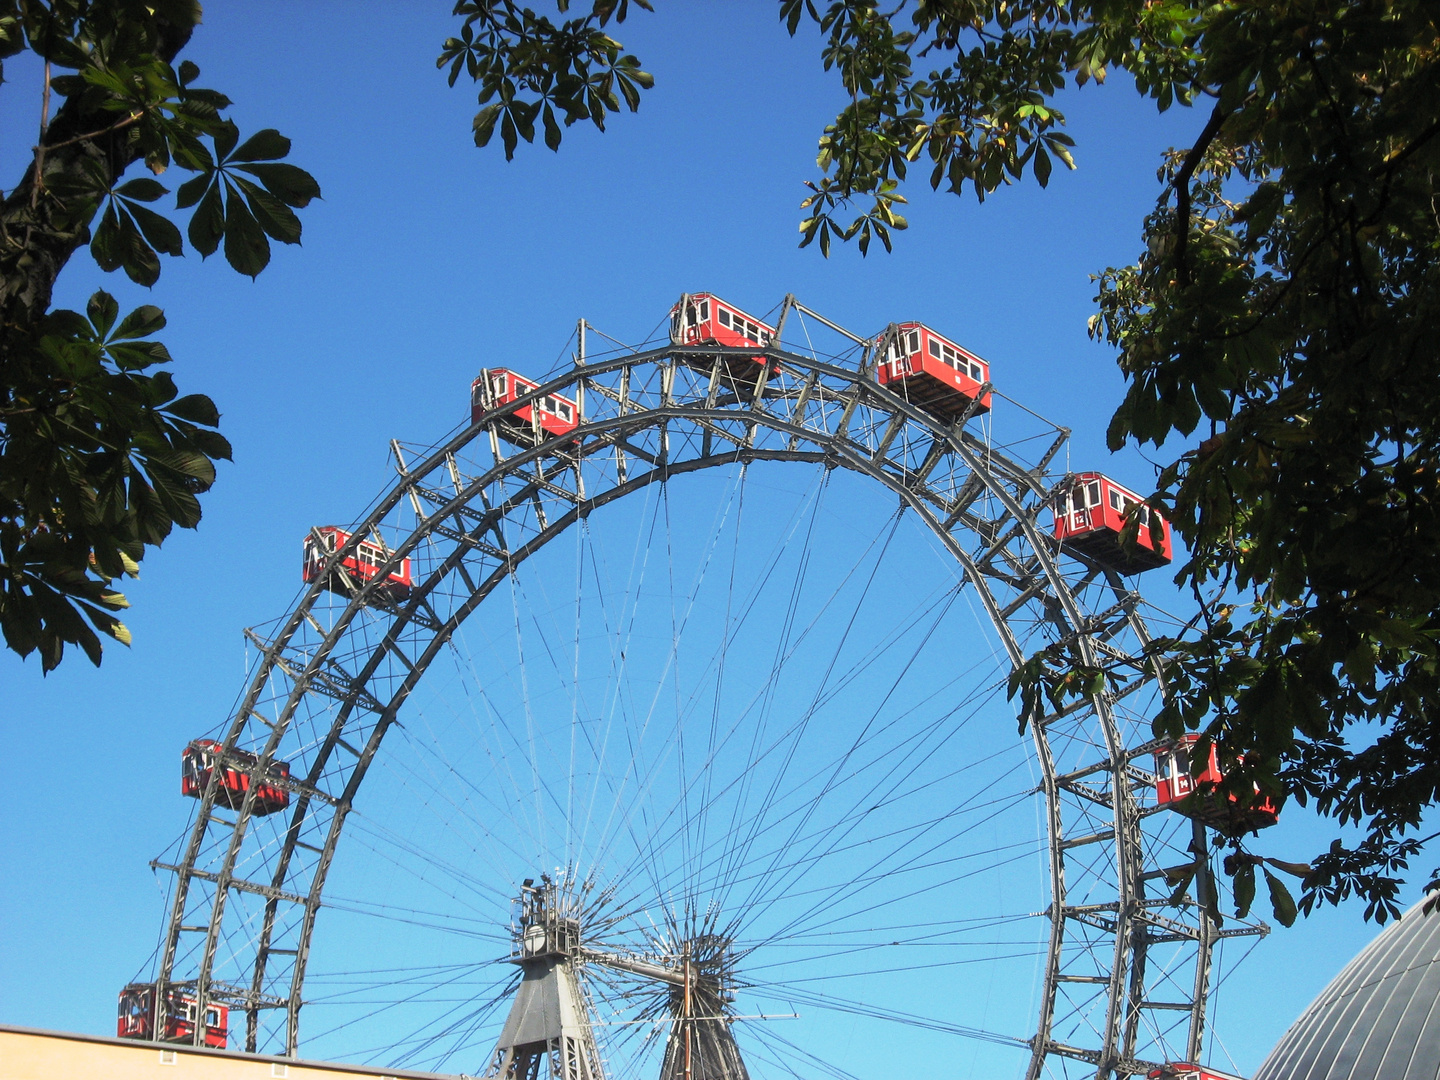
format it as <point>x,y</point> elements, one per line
<point>705,319</point>
<point>136,1018</point>
<point>198,761</point>
<point>360,566</point>
<point>1183,1070</point>
<point>1195,796</point>
<point>496,387</point>
<point>934,372</point>
<point>1090,515</point>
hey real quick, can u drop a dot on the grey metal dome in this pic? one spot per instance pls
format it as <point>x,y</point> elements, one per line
<point>1379,1019</point>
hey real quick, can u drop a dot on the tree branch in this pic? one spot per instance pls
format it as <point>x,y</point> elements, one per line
<point>89,135</point>
<point>28,271</point>
<point>40,149</point>
<point>1420,140</point>
<point>1181,184</point>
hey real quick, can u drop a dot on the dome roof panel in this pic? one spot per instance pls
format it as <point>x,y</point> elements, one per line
<point>1379,1019</point>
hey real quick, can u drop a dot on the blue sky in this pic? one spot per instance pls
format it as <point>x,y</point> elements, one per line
<point>428,258</point>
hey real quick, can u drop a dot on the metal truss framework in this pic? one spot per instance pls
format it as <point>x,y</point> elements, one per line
<point>249,888</point>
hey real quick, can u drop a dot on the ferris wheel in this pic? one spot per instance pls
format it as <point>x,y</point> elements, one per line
<point>662,710</point>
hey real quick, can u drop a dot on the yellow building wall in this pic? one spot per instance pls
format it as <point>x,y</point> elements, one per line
<point>30,1054</point>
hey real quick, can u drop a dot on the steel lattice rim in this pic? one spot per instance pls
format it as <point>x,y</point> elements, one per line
<point>812,408</point>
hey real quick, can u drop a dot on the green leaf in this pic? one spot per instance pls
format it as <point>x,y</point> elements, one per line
<point>106,242</point>
<point>525,118</point>
<point>212,444</point>
<point>161,233</point>
<point>175,502</point>
<point>266,145</point>
<point>246,248</point>
<point>1180,884</point>
<point>509,136</point>
<point>102,310</point>
<point>106,623</point>
<point>189,72</point>
<point>1299,870</point>
<point>484,124</point>
<point>138,355</point>
<point>205,104</point>
<point>1244,889</point>
<point>1058,144</point>
<point>288,183</point>
<point>629,91</point>
<point>1281,902</point>
<point>182,13</point>
<point>68,85</point>
<point>142,265</point>
<point>143,189</point>
<point>86,639</point>
<point>1042,166</point>
<point>196,408</point>
<point>207,224</point>
<point>191,190</point>
<point>190,464</point>
<point>142,322</point>
<point>277,219</point>
<point>552,129</point>
<point>62,624</point>
<point>225,137</point>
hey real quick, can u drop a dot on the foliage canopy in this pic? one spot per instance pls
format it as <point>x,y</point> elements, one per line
<point>100,455</point>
